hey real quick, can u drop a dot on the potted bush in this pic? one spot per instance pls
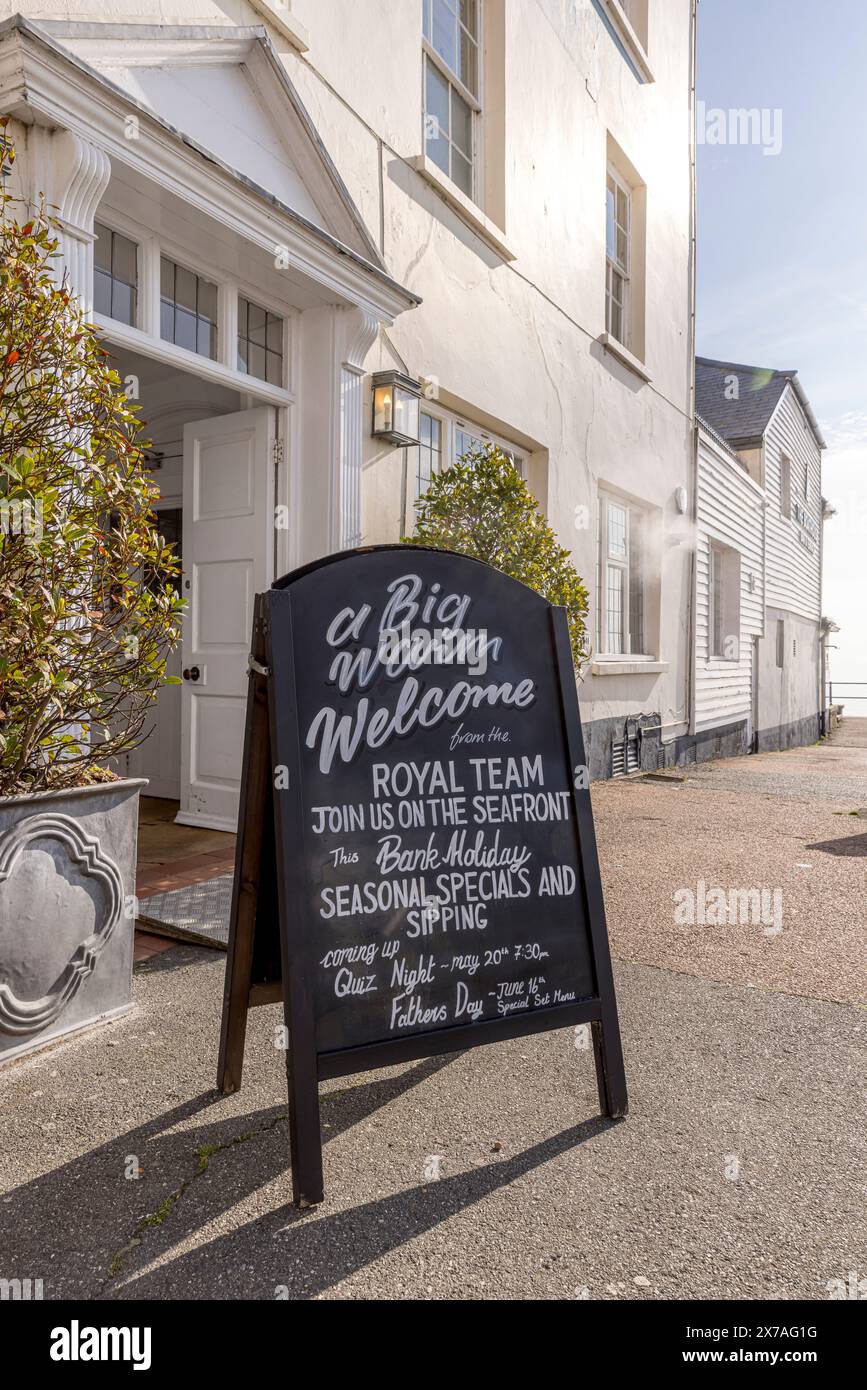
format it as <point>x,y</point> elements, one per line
<point>87,614</point>
<point>482,507</point>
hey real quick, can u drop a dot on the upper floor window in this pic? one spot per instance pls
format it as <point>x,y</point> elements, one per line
<point>451,88</point>
<point>618,219</point>
<point>621,578</point>
<point>115,275</point>
<point>785,486</point>
<point>260,342</point>
<point>188,309</point>
<point>636,13</point>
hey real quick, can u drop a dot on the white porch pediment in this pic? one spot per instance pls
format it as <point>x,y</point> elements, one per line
<point>226,90</point>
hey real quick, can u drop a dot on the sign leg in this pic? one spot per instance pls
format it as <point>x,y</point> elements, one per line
<point>610,1074</point>
<point>305,1139</point>
<point>245,890</point>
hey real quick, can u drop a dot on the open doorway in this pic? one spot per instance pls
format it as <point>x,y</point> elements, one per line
<point>169,401</point>
<point>211,455</point>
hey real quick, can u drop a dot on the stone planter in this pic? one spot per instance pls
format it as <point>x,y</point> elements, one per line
<point>67,915</point>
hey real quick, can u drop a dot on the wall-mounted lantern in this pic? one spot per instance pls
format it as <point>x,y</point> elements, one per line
<point>395,407</point>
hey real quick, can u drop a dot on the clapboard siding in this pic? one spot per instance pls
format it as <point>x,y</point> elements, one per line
<point>729,510</point>
<point>793,573</point>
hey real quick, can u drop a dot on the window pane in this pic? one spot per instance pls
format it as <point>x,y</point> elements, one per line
<point>429,451</point>
<point>616,531</point>
<point>462,173</point>
<point>207,300</point>
<point>610,223</point>
<point>469,68</point>
<point>275,333</point>
<point>243,308</point>
<point>257,321</point>
<point>167,321</point>
<point>445,32</point>
<point>124,259</point>
<point>470,16</point>
<point>102,293</point>
<point>123,302</point>
<point>256,361</point>
<point>206,338</point>
<point>275,368</point>
<point>462,125</point>
<point>636,585</point>
<point>167,279</point>
<point>185,288</point>
<point>102,247</point>
<point>622,247</point>
<point>436,101</point>
<point>426,18</point>
<point>614,610</point>
<point>186,330</point>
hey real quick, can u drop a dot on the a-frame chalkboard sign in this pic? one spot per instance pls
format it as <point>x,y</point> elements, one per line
<point>416,867</point>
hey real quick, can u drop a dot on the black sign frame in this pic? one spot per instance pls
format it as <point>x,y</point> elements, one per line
<point>265,963</point>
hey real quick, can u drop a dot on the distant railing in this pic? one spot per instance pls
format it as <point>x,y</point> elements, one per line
<point>842,698</point>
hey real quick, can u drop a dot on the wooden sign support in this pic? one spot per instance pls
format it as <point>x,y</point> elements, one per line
<point>286,881</point>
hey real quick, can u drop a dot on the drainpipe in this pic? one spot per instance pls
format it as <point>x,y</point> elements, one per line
<point>690,626</point>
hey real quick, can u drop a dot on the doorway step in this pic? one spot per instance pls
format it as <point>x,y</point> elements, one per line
<point>184,882</point>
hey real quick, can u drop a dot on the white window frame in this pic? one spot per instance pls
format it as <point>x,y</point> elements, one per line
<point>450,424</point>
<point>475,102</point>
<point>624,564</point>
<point>144,337</point>
<point>785,487</point>
<point>724,609</point>
<point>613,266</point>
<point>136,242</point>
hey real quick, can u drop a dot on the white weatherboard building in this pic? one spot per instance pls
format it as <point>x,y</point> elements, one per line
<point>758,643</point>
<point>264,206</point>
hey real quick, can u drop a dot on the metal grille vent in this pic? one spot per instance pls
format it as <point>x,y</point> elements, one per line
<point>624,756</point>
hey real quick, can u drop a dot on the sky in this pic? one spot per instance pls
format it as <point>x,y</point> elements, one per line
<point>782,247</point>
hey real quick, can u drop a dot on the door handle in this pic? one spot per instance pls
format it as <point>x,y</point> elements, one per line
<point>191,673</point>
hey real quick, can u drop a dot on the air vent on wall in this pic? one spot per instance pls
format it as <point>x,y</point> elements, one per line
<point>624,756</point>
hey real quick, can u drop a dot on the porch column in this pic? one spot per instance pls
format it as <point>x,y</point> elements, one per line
<point>358,333</point>
<point>73,174</point>
<point>334,341</point>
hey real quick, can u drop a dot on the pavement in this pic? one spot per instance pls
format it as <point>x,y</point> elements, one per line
<point>739,1173</point>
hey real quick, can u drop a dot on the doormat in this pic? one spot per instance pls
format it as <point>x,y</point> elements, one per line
<point>197,912</point>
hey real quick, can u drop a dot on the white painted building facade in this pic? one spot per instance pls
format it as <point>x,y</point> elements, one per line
<point>263,205</point>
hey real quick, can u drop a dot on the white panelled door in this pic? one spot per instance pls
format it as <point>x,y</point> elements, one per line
<point>227,549</point>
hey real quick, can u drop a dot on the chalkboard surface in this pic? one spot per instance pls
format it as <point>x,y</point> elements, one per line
<point>444,879</point>
<point>416,867</point>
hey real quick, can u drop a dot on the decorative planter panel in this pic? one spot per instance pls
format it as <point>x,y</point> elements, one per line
<point>67,880</point>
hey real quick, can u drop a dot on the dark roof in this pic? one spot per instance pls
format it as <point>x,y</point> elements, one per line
<point>743,419</point>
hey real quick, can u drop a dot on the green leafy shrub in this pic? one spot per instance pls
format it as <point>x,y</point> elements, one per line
<point>482,507</point>
<point>88,609</point>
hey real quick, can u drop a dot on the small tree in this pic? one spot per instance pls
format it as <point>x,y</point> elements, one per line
<point>482,507</point>
<point>87,605</point>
